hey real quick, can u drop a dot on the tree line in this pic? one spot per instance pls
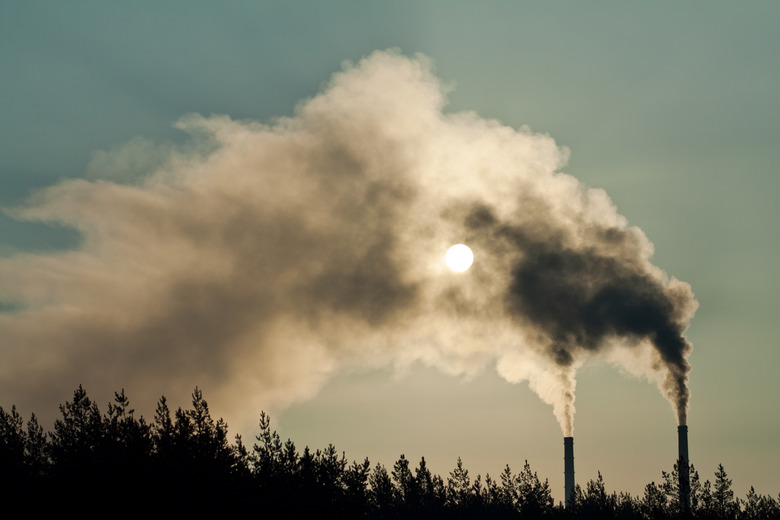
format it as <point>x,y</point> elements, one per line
<point>183,463</point>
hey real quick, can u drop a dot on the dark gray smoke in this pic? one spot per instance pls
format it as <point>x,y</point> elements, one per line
<point>582,297</point>
<point>259,260</point>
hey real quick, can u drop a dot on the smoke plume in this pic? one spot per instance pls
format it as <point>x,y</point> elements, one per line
<point>259,260</point>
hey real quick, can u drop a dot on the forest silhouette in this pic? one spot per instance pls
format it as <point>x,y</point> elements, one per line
<point>183,463</point>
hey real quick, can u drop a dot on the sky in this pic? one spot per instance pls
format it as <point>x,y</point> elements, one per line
<point>255,198</point>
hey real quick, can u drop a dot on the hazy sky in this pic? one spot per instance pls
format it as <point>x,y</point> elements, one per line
<point>229,214</point>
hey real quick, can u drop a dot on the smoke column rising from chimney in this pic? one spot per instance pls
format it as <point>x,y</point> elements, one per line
<point>260,259</point>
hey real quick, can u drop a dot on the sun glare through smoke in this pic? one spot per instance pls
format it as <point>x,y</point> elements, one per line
<point>459,258</point>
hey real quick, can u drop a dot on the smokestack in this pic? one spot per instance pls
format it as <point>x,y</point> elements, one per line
<point>568,470</point>
<point>683,469</point>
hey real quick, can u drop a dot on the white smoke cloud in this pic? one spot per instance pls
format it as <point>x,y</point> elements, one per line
<point>259,259</point>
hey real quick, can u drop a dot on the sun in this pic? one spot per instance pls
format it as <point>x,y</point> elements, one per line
<point>459,257</point>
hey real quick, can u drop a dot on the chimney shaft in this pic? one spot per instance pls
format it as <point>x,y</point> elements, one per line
<point>568,470</point>
<point>683,469</point>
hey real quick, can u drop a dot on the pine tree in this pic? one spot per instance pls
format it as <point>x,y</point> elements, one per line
<point>267,453</point>
<point>533,496</point>
<point>595,503</point>
<point>723,496</point>
<point>696,490</point>
<point>356,488</point>
<point>330,475</point>
<point>654,503</point>
<point>403,480</point>
<point>491,494</point>
<point>427,494</point>
<point>475,503</point>
<point>458,486</point>
<point>382,493</point>
<point>209,439</point>
<point>508,492</point>
<point>759,507</point>
<point>77,435</point>
<point>13,469</point>
<point>36,450</point>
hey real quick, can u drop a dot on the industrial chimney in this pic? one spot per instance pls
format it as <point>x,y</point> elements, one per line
<point>568,470</point>
<point>683,470</point>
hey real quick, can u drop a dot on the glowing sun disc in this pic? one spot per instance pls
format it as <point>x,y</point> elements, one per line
<point>459,257</point>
